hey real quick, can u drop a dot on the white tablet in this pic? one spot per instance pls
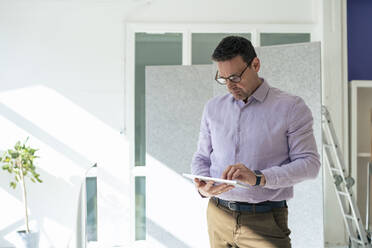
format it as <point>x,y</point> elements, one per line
<point>218,180</point>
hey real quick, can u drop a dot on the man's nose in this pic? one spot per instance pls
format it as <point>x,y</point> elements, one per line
<point>231,84</point>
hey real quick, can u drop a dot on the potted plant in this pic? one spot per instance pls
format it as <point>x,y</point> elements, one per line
<point>20,162</point>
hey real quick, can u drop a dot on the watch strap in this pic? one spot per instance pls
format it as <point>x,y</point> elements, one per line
<point>258,177</point>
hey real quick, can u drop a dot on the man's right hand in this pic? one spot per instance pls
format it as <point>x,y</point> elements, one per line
<point>207,189</point>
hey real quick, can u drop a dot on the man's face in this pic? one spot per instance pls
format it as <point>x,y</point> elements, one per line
<point>249,79</point>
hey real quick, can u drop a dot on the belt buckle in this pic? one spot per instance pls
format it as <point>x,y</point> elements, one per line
<point>229,206</point>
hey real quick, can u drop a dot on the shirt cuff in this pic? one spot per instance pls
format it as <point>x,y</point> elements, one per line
<point>269,177</point>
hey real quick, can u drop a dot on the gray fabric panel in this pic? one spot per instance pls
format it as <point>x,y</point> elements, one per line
<point>296,69</point>
<point>175,98</point>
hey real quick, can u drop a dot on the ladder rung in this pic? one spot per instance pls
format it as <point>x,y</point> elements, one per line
<point>356,240</point>
<point>336,169</point>
<point>330,146</point>
<point>343,193</point>
<point>350,217</point>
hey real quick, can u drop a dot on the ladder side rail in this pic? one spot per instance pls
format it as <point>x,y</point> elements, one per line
<point>361,230</point>
<point>336,148</point>
<point>355,213</point>
<point>340,201</point>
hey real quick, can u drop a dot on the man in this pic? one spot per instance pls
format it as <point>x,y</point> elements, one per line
<point>260,136</point>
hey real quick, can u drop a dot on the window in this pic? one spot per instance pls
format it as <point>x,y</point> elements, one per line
<point>270,39</point>
<point>150,49</point>
<point>140,198</point>
<point>91,221</point>
<point>203,45</point>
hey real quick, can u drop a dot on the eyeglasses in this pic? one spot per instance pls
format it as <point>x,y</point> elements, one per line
<point>232,78</point>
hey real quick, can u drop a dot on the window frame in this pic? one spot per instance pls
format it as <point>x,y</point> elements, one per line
<point>187,30</point>
<point>91,173</point>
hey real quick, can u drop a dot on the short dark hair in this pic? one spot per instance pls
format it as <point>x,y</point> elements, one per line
<point>232,46</point>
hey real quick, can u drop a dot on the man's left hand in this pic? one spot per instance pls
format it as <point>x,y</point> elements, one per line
<point>241,173</point>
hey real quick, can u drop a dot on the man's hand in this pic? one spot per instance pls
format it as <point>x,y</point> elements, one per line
<point>241,173</point>
<point>207,189</point>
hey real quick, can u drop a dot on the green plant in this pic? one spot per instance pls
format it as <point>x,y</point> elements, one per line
<point>20,162</point>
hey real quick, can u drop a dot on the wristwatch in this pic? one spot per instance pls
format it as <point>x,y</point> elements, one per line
<point>258,175</point>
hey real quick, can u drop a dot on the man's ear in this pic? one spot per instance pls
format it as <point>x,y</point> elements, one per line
<point>256,64</point>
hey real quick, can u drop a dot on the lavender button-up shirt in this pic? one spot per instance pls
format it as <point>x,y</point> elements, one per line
<point>272,132</point>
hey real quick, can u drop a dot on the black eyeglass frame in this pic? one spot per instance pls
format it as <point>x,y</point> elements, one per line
<point>237,78</point>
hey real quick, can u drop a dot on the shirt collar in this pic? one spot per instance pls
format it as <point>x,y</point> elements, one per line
<point>261,92</point>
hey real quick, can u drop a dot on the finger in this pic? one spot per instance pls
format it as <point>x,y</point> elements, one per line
<point>215,189</point>
<point>207,187</point>
<point>236,174</point>
<point>231,172</point>
<point>220,186</point>
<point>224,174</point>
<point>240,165</point>
<point>228,188</point>
<point>197,182</point>
<point>222,189</point>
<point>211,183</point>
<point>200,183</point>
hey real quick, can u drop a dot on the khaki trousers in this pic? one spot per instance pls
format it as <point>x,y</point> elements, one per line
<point>227,228</point>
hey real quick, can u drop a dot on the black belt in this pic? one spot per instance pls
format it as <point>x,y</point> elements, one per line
<point>250,207</point>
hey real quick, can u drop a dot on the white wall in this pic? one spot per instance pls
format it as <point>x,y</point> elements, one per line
<point>62,84</point>
<point>335,97</point>
<point>239,11</point>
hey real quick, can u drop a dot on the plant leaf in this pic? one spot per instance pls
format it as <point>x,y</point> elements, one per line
<point>13,185</point>
<point>14,155</point>
<point>20,160</point>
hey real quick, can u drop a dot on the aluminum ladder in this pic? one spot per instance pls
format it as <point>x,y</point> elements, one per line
<point>342,184</point>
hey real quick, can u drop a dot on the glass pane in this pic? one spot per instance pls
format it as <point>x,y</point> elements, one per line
<point>270,39</point>
<point>140,195</point>
<point>151,49</point>
<point>203,45</point>
<point>91,225</point>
